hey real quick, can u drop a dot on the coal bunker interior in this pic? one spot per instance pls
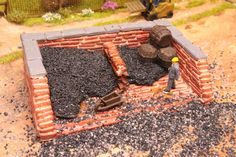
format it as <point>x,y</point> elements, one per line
<point>140,71</point>
<point>74,75</point>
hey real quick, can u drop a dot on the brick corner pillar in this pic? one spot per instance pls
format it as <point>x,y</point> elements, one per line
<point>40,104</point>
<point>205,80</point>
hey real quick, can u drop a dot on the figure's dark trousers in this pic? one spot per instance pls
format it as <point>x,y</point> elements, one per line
<point>170,85</point>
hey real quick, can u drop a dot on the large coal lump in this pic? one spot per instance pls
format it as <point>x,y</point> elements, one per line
<point>140,72</point>
<point>74,75</point>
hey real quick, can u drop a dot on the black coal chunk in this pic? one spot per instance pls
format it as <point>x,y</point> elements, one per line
<point>140,71</point>
<point>202,126</point>
<point>74,75</point>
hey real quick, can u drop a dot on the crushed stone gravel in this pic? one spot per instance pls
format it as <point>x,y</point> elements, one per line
<point>155,132</point>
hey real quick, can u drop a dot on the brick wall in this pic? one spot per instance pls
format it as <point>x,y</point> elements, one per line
<point>129,38</point>
<point>193,62</point>
<point>40,104</point>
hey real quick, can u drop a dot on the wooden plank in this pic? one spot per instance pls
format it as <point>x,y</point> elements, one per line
<point>135,6</point>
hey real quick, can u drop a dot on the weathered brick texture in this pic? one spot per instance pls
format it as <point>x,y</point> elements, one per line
<point>195,73</point>
<point>40,104</point>
<point>193,65</point>
<point>130,38</point>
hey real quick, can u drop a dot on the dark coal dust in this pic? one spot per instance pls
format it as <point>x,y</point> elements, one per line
<point>195,129</point>
<point>74,75</point>
<point>140,72</point>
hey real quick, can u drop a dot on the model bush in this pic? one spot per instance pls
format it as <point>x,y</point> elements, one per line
<point>65,12</point>
<point>16,16</point>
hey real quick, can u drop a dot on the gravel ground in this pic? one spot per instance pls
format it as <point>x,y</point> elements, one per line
<point>74,75</point>
<point>140,72</point>
<point>195,129</point>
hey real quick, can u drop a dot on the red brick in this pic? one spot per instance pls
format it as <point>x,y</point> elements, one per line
<point>69,46</point>
<point>45,113</point>
<point>40,86</point>
<point>205,75</point>
<point>70,42</point>
<point>202,67</point>
<point>132,40</point>
<point>129,37</point>
<point>43,103</point>
<point>36,80</point>
<point>74,39</point>
<point>45,119</point>
<point>40,92</point>
<point>207,94</point>
<point>59,40</point>
<point>142,36</point>
<point>97,48</point>
<point>119,42</point>
<point>205,80</point>
<point>43,109</point>
<point>107,40</point>
<point>42,98</point>
<point>45,130</point>
<point>48,135</point>
<point>118,39</point>
<point>201,62</point>
<point>131,32</point>
<point>106,36</point>
<point>87,45</point>
<point>196,89</point>
<point>46,124</point>
<point>91,41</point>
<point>50,44</point>
<point>91,37</point>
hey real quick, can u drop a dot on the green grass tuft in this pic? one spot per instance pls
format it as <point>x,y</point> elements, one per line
<point>195,3</point>
<point>128,19</point>
<point>204,14</point>
<point>71,18</point>
<point>11,57</point>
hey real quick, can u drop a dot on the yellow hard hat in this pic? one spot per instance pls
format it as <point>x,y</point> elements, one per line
<point>175,59</point>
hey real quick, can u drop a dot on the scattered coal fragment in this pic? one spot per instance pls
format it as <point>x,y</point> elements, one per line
<point>74,75</point>
<point>202,126</point>
<point>140,71</point>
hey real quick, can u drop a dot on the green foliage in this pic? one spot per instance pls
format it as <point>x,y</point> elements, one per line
<point>71,18</point>
<point>128,19</point>
<point>35,8</point>
<point>11,57</point>
<point>195,3</point>
<point>204,14</point>
<point>65,12</point>
<point>16,16</point>
<point>30,7</point>
<point>2,8</point>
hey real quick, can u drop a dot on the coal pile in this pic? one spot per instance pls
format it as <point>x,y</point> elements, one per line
<point>203,127</point>
<point>140,71</point>
<point>74,75</point>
